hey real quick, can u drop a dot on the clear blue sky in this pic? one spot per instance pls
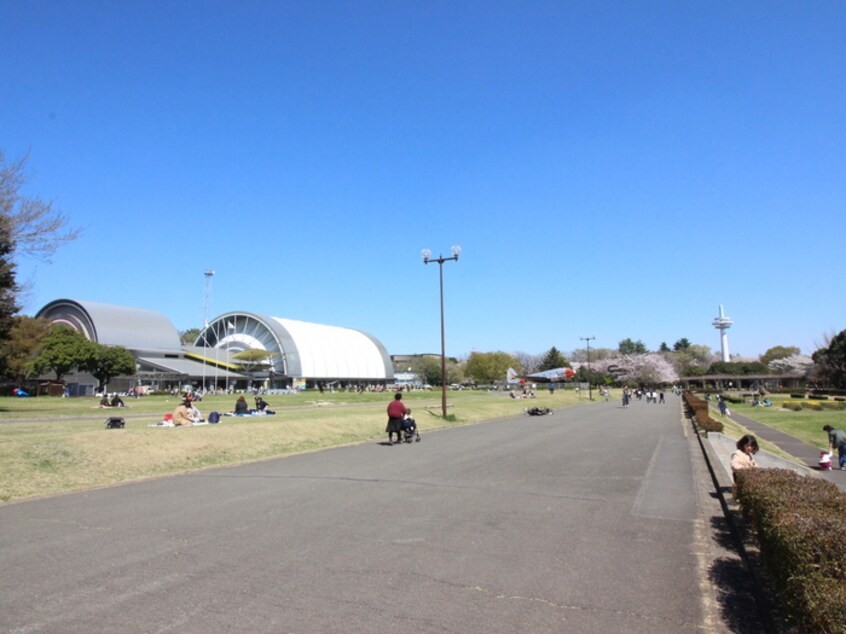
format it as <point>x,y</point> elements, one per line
<point>610,169</point>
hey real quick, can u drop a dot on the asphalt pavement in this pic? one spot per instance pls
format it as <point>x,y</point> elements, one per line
<point>593,519</point>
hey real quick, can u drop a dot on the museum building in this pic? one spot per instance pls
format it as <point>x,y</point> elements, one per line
<point>237,350</point>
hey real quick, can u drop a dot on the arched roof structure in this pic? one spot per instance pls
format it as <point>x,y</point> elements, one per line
<point>301,349</point>
<point>136,329</point>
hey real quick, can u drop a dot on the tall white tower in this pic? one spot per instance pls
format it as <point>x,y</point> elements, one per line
<point>723,323</point>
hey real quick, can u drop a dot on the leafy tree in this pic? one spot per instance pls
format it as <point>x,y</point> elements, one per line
<point>107,362</point>
<point>63,349</point>
<point>428,368</point>
<point>490,367</point>
<point>188,337</point>
<point>627,346</point>
<point>22,346</point>
<point>778,352</point>
<point>553,359</point>
<point>681,345</point>
<point>8,286</point>
<point>664,347</point>
<point>831,361</point>
<point>692,361</point>
<point>738,368</point>
<point>253,359</point>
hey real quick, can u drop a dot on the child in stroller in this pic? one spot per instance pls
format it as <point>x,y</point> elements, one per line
<point>409,428</point>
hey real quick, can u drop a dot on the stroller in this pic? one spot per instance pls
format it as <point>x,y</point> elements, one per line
<point>409,428</point>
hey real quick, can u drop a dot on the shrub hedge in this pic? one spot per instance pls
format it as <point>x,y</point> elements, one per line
<point>697,409</point>
<point>798,522</point>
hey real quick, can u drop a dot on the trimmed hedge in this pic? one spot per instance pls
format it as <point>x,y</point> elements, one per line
<point>697,409</point>
<point>798,522</point>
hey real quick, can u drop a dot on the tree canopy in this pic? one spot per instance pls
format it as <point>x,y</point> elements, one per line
<point>627,346</point>
<point>778,352</point>
<point>8,286</point>
<point>681,344</point>
<point>490,367</point>
<point>107,362</point>
<point>63,350</point>
<point>831,361</point>
<point>553,359</point>
<point>22,346</point>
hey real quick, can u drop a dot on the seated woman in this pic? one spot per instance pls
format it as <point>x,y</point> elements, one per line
<point>104,402</point>
<point>117,401</point>
<point>183,416</point>
<point>241,408</point>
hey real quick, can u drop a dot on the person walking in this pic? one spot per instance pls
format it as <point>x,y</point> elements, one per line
<point>396,412</point>
<point>837,438</point>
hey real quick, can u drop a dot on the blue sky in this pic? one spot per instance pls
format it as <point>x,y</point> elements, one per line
<point>610,169</point>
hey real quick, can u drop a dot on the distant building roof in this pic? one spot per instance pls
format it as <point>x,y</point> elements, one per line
<point>137,329</point>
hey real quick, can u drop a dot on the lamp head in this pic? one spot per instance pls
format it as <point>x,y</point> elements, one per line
<point>456,251</point>
<point>426,253</point>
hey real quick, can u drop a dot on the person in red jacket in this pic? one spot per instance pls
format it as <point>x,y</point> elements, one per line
<point>396,410</point>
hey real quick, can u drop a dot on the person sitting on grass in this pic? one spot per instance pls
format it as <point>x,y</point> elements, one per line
<point>183,416</point>
<point>241,407</point>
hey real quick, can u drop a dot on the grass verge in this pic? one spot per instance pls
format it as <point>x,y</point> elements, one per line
<point>54,445</point>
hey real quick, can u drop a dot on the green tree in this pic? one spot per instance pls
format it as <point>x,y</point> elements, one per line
<point>188,337</point>
<point>831,361</point>
<point>8,286</point>
<point>428,368</point>
<point>63,349</point>
<point>253,359</point>
<point>627,346</point>
<point>107,362</point>
<point>664,347</point>
<point>490,367</point>
<point>778,352</point>
<point>553,359</point>
<point>681,345</point>
<point>738,368</point>
<point>22,346</point>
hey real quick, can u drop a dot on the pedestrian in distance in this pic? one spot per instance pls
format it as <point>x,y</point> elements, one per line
<point>837,439</point>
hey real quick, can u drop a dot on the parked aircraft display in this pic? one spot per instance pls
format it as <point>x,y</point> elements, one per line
<point>556,375</point>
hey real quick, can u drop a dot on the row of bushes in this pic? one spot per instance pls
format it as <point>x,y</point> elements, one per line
<point>798,522</point>
<point>816,407</point>
<point>697,408</point>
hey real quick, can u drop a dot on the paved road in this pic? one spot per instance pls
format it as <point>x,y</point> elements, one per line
<point>594,519</point>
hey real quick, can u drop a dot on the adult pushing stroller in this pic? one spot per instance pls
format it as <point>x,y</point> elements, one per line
<point>409,428</point>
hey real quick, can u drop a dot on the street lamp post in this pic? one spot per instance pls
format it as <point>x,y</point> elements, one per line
<point>588,339</point>
<point>456,251</point>
<point>208,273</point>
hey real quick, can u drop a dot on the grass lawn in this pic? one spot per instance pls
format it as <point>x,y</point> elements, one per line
<point>806,424</point>
<point>55,445</point>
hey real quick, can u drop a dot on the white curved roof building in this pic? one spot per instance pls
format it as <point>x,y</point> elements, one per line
<point>296,349</point>
<point>299,348</point>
